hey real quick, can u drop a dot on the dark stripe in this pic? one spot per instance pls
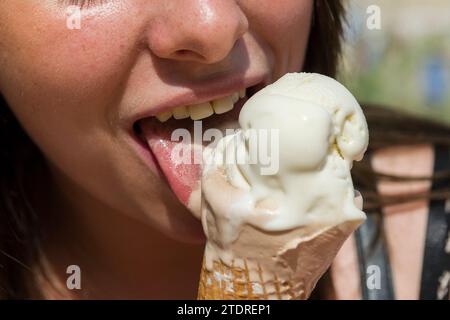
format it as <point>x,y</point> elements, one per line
<point>373,257</point>
<point>436,260</point>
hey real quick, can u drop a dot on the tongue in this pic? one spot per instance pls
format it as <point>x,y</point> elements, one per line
<point>182,176</point>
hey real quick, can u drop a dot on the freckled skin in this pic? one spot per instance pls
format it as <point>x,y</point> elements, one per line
<point>74,91</point>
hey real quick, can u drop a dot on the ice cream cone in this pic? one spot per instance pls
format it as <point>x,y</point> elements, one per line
<point>273,233</point>
<point>276,272</point>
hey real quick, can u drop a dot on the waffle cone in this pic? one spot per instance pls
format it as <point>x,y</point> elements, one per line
<point>289,273</point>
<point>225,282</point>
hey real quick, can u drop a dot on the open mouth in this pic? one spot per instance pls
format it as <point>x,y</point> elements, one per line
<point>154,134</point>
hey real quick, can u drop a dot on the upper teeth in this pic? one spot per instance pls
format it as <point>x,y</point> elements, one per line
<point>202,110</point>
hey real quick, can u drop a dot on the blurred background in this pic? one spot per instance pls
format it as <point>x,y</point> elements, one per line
<point>403,64</point>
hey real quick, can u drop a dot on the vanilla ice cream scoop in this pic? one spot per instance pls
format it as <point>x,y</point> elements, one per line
<point>284,178</point>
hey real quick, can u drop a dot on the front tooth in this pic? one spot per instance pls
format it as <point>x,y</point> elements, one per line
<point>200,111</point>
<point>180,113</point>
<point>164,116</point>
<point>242,93</point>
<point>223,105</point>
<point>235,97</point>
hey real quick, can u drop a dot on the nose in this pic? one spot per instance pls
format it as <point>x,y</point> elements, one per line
<point>196,30</point>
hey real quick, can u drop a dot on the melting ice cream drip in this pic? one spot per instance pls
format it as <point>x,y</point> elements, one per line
<point>321,131</point>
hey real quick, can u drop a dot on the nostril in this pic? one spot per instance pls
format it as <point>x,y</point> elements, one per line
<point>183,52</point>
<point>186,54</point>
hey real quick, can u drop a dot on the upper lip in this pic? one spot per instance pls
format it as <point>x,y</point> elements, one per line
<point>215,90</point>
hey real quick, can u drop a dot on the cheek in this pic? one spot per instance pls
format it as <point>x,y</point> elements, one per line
<point>62,80</point>
<point>285,26</point>
<point>44,56</point>
<point>63,85</point>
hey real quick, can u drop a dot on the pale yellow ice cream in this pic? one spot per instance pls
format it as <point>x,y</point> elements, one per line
<point>289,213</point>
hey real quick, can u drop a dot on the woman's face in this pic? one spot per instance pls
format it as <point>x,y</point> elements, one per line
<point>78,92</point>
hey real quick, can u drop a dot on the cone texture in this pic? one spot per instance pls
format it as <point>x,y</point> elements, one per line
<point>293,273</point>
<point>236,283</point>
